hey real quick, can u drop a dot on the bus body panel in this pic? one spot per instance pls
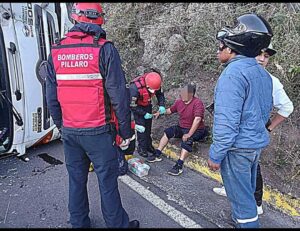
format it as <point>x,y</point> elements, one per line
<point>28,31</point>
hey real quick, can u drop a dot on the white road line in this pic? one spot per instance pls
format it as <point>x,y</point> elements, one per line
<point>170,211</point>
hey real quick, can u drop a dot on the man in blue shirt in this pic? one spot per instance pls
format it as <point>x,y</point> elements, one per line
<point>243,102</point>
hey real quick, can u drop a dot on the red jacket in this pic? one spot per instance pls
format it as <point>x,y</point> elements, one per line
<point>80,86</point>
<point>145,96</point>
<point>119,139</point>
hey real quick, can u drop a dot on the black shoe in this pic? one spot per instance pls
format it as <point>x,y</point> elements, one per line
<point>142,152</point>
<point>135,224</point>
<point>153,158</point>
<point>176,170</point>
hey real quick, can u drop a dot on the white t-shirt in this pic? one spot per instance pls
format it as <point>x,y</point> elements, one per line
<point>280,99</point>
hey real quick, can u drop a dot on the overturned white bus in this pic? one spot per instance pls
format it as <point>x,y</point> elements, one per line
<point>27,31</point>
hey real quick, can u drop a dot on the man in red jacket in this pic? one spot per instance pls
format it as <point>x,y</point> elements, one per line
<point>85,86</point>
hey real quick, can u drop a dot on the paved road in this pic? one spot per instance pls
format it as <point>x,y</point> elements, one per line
<point>34,195</point>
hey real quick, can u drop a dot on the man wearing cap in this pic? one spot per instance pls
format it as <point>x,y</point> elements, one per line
<point>142,89</point>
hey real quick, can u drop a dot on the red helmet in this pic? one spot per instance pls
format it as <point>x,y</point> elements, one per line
<point>153,80</point>
<point>88,12</point>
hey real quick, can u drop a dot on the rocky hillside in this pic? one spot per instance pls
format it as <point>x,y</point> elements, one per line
<point>179,40</point>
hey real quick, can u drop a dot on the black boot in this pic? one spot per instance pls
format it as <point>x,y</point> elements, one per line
<point>142,152</point>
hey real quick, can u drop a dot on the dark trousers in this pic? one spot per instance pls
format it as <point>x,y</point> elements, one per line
<point>258,194</point>
<point>178,132</point>
<point>144,139</point>
<point>79,152</point>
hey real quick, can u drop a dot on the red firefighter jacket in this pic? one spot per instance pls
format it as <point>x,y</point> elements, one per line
<point>80,86</point>
<point>144,95</point>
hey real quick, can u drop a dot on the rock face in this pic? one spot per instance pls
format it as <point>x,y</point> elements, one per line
<point>167,36</point>
<point>179,40</point>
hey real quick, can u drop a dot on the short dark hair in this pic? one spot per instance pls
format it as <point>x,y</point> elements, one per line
<point>191,88</point>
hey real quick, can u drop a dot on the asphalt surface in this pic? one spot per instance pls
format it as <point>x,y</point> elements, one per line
<point>34,194</point>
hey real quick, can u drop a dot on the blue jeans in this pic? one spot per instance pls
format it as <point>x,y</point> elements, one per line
<point>79,151</point>
<point>238,171</point>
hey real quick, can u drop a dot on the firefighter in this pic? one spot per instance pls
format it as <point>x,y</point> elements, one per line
<point>85,85</point>
<point>142,89</point>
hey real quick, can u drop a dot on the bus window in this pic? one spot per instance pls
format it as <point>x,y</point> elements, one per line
<point>45,40</point>
<point>6,118</point>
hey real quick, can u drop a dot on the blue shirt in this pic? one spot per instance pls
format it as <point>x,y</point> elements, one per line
<point>243,103</point>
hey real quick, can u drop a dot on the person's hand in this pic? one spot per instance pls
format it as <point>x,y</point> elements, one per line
<point>139,128</point>
<point>124,145</point>
<point>162,110</point>
<point>213,166</point>
<point>156,115</point>
<point>185,137</point>
<point>148,116</point>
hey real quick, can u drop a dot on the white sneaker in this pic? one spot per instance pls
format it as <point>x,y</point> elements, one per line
<point>220,191</point>
<point>260,210</point>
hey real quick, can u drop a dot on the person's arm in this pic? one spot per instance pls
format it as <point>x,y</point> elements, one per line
<point>281,102</point>
<point>156,114</point>
<point>198,114</point>
<point>51,93</point>
<point>228,106</point>
<point>275,121</point>
<point>134,95</point>
<point>115,86</point>
<point>194,127</point>
<point>170,110</point>
<point>160,97</point>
